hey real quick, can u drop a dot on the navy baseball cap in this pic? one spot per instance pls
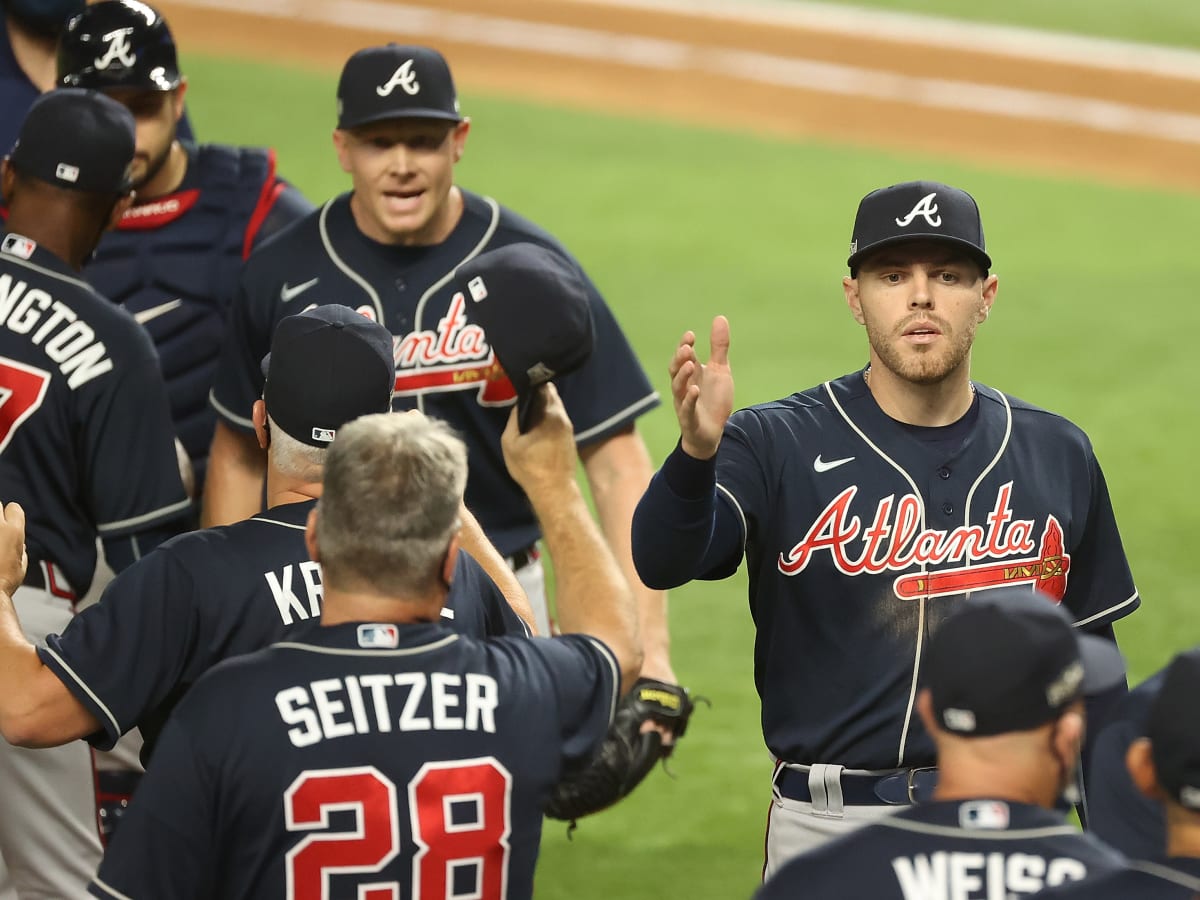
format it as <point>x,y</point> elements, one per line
<point>328,365</point>
<point>1174,730</point>
<point>533,305</point>
<point>396,82</point>
<point>917,210</point>
<point>77,139</point>
<point>1010,659</point>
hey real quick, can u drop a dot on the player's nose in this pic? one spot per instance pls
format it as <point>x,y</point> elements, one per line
<point>922,294</point>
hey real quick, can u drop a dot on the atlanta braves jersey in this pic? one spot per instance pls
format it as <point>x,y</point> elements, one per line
<point>208,595</point>
<point>444,365</point>
<point>364,761</point>
<point>81,406</point>
<point>173,261</point>
<point>947,850</point>
<point>1118,812</point>
<point>1176,878</point>
<point>859,535</point>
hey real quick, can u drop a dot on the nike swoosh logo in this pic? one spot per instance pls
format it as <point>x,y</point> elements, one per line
<point>154,312</point>
<point>821,466</point>
<point>288,294</point>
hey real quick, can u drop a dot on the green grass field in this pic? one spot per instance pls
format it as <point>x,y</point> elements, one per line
<point>1175,22</point>
<point>1095,319</point>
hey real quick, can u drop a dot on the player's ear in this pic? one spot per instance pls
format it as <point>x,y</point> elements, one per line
<point>991,285</point>
<point>8,177</point>
<point>341,144</point>
<point>459,137</point>
<point>118,211</point>
<point>261,429</point>
<point>178,95</point>
<point>450,561</point>
<point>1139,760</point>
<point>850,289</point>
<point>1067,736</point>
<point>310,536</point>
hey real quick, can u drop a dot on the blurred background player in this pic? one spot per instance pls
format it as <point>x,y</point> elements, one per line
<point>390,248</point>
<point>84,406</point>
<point>1005,678</point>
<point>1164,765</point>
<point>174,257</point>
<point>447,746</point>
<point>868,506</point>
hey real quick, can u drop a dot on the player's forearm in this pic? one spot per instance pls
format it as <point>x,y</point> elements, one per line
<point>592,595</point>
<point>36,709</point>
<point>236,471</point>
<point>476,543</point>
<point>617,484</point>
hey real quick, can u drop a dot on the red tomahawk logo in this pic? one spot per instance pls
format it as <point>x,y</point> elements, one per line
<point>1048,572</point>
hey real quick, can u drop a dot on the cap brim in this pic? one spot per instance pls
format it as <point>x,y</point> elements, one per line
<point>974,252</point>
<point>1103,667</point>
<point>439,114</point>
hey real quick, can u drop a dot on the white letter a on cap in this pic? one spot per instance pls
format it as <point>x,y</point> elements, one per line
<point>925,207</point>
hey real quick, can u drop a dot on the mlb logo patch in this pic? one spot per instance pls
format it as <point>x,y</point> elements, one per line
<point>477,288</point>
<point>378,637</point>
<point>990,815</point>
<point>18,245</point>
<point>325,435</point>
<point>65,172</point>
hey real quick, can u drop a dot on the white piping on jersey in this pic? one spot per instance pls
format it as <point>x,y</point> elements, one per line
<point>227,412</point>
<point>277,522</point>
<point>112,720</point>
<point>741,513</point>
<point>145,518</point>
<point>995,459</point>
<point>982,834</point>
<point>650,398</point>
<point>346,270</point>
<point>1166,873</point>
<point>50,272</point>
<point>111,891</point>
<point>137,550</point>
<point>616,673</point>
<point>1101,615</point>
<point>912,692</point>
<point>338,651</point>
<point>488,234</point>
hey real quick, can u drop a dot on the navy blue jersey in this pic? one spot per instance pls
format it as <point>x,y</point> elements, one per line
<point>444,365</point>
<point>1177,878</point>
<point>83,407</point>
<point>206,596</point>
<point>174,261</point>
<point>859,537</point>
<point>947,850</point>
<point>364,760</point>
<point>1118,812</point>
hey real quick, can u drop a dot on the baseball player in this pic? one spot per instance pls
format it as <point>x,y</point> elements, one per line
<point>380,754</point>
<point>1004,681</point>
<point>389,248</point>
<point>84,405</point>
<point>1164,764</point>
<point>867,507</point>
<point>174,258</point>
<point>234,589</point>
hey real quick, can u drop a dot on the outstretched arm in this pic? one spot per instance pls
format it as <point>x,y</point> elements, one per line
<point>593,596</point>
<point>237,468</point>
<point>475,542</point>
<point>36,709</point>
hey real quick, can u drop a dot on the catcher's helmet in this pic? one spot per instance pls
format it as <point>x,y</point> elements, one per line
<point>118,44</point>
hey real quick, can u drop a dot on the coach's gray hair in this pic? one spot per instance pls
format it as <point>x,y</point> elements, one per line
<point>393,486</point>
<point>292,458</point>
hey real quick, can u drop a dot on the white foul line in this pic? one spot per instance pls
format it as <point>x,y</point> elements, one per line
<point>778,71</point>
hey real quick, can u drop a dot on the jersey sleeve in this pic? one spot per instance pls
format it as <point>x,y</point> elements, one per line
<point>611,389</point>
<point>165,845</point>
<point>586,681</point>
<point>239,380</point>
<point>1100,587</point>
<point>124,655</point>
<point>131,477</point>
<point>287,205</point>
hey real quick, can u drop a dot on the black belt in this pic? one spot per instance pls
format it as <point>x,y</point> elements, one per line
<point>522,557</point>
<point>903,788</point>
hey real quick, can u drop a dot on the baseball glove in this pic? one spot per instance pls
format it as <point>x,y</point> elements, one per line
<point>627,754</point>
